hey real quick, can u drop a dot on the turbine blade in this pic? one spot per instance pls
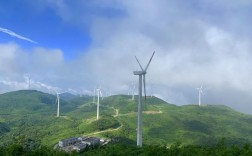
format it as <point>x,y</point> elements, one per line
<point>139,63</point>
<point>144,86</point>
<point>149,61</point>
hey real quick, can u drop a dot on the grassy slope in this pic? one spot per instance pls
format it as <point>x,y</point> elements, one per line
<point>31,114</point>
<point>3,128</point>
<point>188,124</point>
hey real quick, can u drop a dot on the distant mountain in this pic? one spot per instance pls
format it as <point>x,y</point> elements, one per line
<point>32,115</point>
<point>67,96</point>
<point>26,101</point>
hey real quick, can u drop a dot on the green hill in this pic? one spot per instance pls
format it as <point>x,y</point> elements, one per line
<point>3,128</point>
<point>189,124</point>
<point>31,115</point>
<point>26,101</point>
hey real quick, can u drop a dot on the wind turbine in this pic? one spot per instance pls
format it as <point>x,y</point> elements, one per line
<point>58,102</point>
<point>94,96</point>
<point>28,80</point>
<point>200,92</point>
<point>141,75</point>
<point>151,90</point>
<point>133,91</point>
<point>98,102</point>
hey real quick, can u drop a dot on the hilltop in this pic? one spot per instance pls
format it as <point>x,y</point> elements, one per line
<point>189,124</point>
<point>31,115</point>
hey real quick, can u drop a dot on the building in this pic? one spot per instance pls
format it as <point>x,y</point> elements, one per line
<point>91,141</point>
<point>79,146</point>
<point>68,142</point>
<point>79,143</point>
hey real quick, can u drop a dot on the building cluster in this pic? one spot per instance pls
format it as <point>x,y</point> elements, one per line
<point>79,143</point>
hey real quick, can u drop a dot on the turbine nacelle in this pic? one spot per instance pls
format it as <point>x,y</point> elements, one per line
<point>139,72</point>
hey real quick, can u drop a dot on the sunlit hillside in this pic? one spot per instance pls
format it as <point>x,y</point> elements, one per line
<point>31,115</point>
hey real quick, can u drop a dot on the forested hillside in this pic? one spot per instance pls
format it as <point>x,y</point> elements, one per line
<point>29,117</point>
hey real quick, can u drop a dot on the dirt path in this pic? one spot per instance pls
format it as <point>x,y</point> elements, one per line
<point>107,130</point>
<point>110,129</point>
<point>144,112</point>
<point>67,118</point>
<point>153,112</point>
<point>117,114</point>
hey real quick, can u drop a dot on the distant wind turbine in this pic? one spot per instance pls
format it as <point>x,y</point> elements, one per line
<point>141,75</point>
<point>133,91</point>
<point>200,92</point>
<point>94,96</point>
<point>58,102</point>
<point>29,81</point>
<point>98,91</point>
<point>151,90</point>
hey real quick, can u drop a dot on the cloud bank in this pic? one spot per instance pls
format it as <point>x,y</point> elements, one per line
<point>196,43</point>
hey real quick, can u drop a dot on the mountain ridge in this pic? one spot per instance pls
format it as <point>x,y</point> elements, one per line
<point>163,123</point>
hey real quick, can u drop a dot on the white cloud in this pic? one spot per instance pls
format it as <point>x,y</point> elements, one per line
<point>13,34</point>
<point>194,46</point>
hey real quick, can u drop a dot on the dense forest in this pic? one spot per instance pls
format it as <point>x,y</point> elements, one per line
<point>29,126</point>
<point>118,149</point>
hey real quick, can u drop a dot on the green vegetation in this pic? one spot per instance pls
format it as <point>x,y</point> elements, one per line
<point>105,122</point>
<point>220,149</point>
<point>176,149</point>
<point>18,150</point>
<point>3,128</point>
<point>29,117</point>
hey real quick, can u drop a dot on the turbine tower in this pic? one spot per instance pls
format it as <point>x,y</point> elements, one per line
<point>58,102</point>
<point>29,82</point>
<point>133,91</point>
<point>98,102</point>
<point>141,75</point>
<point>94,96</point>
<point>200,92</point>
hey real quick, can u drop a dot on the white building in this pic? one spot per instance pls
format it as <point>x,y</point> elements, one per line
<point>91,141</point>
<point>79,146</point>
<point>69,141</point>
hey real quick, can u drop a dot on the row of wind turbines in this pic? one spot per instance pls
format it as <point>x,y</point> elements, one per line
<point>141,85</point>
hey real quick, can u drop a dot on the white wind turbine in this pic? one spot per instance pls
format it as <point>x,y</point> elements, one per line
<point>151,90</point>
<point>200,92</point>
<point>98,91</point>
<point>141,75</point>
<point>133,91</point>
<point>28,80</point>
<point>94,96</point>
<point>58,102</point>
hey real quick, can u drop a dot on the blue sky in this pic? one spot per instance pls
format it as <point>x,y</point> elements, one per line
<point>44,26</point>
<point>85,44</point>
